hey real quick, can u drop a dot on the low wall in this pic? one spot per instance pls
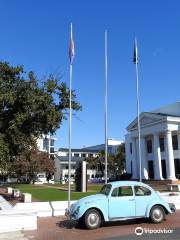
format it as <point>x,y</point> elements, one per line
<point>16,220</point>
<point>171,199</point>
<point>45,209</point>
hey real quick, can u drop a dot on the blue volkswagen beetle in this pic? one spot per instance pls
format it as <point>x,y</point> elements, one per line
<point>119,201</point>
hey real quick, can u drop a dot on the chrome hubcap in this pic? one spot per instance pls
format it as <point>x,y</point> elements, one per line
<point>157,214</point>
<point>93,219</point>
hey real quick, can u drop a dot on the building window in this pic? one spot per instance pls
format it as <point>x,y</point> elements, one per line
<point>175,142</point>
<point>130,148</point>
<point>46,144</point>
<point>52,142</point>
<point>149,146</point>
<point>90,155</point>
<point>83,155</point>
<point>161,143</point>
<point>52,150</point>
<point>110,150</point>
<point>76,155</point>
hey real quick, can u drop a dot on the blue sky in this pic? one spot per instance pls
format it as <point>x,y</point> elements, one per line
<point>35,33</point>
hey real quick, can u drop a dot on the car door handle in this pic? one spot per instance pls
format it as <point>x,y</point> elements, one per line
<point>132,199</point>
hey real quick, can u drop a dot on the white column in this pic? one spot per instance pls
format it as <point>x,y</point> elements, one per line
<point>144,158</point>
<point>128,154</point>
<point>144,167</point>
<point>137,158</point>
<point>134,159</point>
<point>157,158</point>
<point>170,168</point>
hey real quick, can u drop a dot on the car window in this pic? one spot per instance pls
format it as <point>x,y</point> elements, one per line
<point>106,189</point>
<point>122,191</point>
<point>141,191</point>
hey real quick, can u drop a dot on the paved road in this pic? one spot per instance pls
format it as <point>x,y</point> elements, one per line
<point>54,228</point>
<point>150,236</point>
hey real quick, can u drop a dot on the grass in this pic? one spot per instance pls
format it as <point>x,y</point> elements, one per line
<point>90,187</point>
<point>46,193</point>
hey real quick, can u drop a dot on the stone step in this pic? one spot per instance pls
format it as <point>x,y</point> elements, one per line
<point>13,236</point>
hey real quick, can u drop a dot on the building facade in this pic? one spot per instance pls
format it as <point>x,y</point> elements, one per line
<point>159,142</point>
<point>78,155</point>
<point>62,163</point>
<point>46,144</point>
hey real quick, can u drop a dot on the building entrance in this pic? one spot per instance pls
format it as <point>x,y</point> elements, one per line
<point>163,165</point>
<point>151,169</point>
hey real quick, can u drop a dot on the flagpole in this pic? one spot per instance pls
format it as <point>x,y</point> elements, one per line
<point>139,127</point>
<point>106,93</point>
<point>70,128</point>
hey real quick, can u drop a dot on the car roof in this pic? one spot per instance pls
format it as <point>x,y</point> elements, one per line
<point>127,183</point>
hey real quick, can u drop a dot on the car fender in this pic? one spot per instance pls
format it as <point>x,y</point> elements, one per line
<point>155,202</point>
<point>86,207</point>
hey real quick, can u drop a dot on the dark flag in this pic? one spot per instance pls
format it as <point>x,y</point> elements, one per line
<point>135,59</point>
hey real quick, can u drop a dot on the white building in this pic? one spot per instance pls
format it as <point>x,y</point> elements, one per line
<point>160,144</point>
<point>62,160</point>
<point>46,144</point>
<point>78,155</point>
<point>112,146</point>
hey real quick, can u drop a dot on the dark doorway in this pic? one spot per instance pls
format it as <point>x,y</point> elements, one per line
<point>151,169</point>
<point>163,165</point>
<point>177,167</point>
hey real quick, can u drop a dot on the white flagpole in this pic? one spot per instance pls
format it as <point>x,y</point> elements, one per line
<point>106,93</point>
<point>70,127</point>
<point>139,127</point>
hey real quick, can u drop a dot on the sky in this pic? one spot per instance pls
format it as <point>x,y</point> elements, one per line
<point>36,33</point>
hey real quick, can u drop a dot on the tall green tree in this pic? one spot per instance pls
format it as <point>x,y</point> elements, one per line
<point>29,108</point>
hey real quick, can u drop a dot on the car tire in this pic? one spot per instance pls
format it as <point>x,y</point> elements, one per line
<point>157,214</point>
<point>92,219</point>
<point>81,223</point>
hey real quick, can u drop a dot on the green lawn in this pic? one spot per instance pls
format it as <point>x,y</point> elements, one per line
<point>90,187</point>
<point>94,187</point>
<point>45,193</point>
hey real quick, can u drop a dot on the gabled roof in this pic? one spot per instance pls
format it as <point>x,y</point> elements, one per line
<point>145,119</point>
<point>160,114</point>
<point>172,109</point>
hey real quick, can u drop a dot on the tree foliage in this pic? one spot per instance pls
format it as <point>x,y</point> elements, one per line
<point>116,162</point>
<point>29,108</point>
<point>29,164</point>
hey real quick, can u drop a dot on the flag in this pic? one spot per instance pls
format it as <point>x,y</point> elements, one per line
<point>71,48</point>
<point>135,59</point>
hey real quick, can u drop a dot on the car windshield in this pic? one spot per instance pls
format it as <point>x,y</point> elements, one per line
<point>106,189</point>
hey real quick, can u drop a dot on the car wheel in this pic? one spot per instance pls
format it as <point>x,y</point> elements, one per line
<point>157,214</point>
<point>81,223</point>
<point>92,219</point>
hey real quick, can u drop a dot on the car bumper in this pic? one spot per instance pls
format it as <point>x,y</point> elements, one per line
<point>69,215</point>
<point>172,207</point>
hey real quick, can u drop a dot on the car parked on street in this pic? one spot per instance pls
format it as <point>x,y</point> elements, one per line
<point>119,201</point>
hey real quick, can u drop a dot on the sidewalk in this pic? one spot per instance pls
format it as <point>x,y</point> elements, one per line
<point>55,228</point>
